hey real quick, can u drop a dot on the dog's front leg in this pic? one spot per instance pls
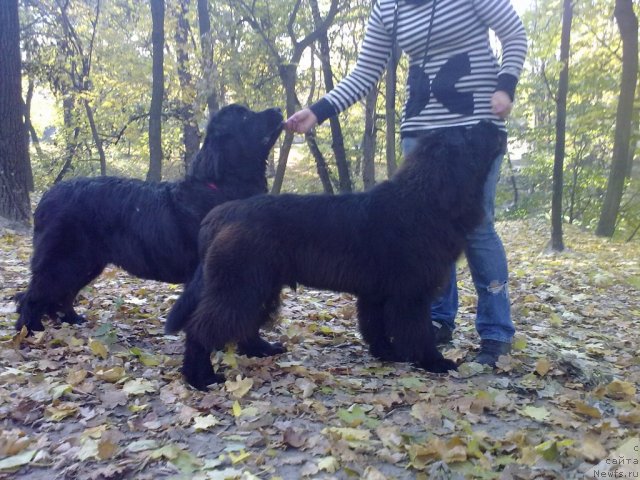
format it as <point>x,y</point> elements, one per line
<point>196,367</point>
<point>409,330</point>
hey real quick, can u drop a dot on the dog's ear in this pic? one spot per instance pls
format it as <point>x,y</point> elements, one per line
<point>448,154</point>
<point>208,163</point>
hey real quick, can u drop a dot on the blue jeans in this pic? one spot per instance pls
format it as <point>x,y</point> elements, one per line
<point>488,264</point>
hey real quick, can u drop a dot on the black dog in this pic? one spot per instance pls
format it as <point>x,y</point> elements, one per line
<point>148,229</point>
<point>392,247</point>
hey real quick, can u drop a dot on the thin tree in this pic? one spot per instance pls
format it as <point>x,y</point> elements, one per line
<point>208,64</point>
<point>390,110</point>
<point>157,92</point>
<point>369,140</point>
<point>287,67</point>
<point>14,153</point>
<point>557,243</point>
<point>78,56</point>
<point>337,137</point>
<point>628,25</point>
<point>190,130</point>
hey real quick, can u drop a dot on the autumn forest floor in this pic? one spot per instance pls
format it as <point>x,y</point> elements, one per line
<point>106,400</point>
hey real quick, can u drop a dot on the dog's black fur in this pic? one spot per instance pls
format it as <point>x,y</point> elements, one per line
<point>392,247</point>
<point>148,229</point>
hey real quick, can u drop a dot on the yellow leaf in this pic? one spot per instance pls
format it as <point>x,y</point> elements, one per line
<point>354,434</point>
<point>106,449</point>
<point>229,358</point>
<point>149,360</point>
<point>240,457</point>
<point>329,464</point>
<point>620,390</point>
<point>519,343</point>
<point>76,377</point>
<point>98,349</point>
<point>204,422</point>
<point>555,320</point>
<point>236,409</point>
<point>240,387</point>
<point>537,413</point>
<point>592,450</point>
<point>16,461</point>
<point>543,366</point>
<point>632,417</point>
<point>111,375</point>
<point>18,338</point>
<point>61,411</point>
<point>548,450</point>
<point>587,410</point>
<point>139,386</point>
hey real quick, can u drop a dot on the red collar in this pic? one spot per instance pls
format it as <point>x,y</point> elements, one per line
<point>212,186</point>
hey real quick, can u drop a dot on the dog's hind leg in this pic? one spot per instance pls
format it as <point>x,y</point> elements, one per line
<point>30,313</point>
<point>410,332</point>
<point>372,329</point>
<point>197,368</point>
<point>256,346</point>
<point>63,295</point>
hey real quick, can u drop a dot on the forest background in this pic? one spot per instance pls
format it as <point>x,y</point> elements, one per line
<point>90,69</point>
<point>125,87</point>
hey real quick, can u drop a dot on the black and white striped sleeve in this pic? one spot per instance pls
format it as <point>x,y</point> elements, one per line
<point>371,63</point>
<point>500,17</point>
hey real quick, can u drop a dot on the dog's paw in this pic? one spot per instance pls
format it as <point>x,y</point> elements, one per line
<point>202,380</point>
<point>260,348</point>
<point>34,326</point>
<point>72,319</point>
<point>441,365</point>
<point>386,353</point>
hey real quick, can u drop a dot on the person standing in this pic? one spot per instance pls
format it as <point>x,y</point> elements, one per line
<point>454,80</point>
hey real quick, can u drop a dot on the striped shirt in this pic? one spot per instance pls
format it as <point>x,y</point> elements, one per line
<point>460,71</point>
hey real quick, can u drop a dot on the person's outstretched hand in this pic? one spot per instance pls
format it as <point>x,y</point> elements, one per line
<point>302,121</point>
<point>501,104</point>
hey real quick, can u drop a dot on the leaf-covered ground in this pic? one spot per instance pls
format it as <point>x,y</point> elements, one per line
<point>105,400</point>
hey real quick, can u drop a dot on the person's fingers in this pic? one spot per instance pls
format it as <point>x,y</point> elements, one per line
<point>501,104</point>
<point>301,122</point>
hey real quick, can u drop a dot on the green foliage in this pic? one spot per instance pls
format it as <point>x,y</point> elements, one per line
<point>594,84</point>
<point>252,40</point>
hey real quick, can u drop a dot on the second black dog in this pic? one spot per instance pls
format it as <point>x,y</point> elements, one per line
<point>392,247</point>
<point>149,229</point>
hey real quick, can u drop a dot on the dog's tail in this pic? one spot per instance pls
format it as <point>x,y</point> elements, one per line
<point>186,303</point>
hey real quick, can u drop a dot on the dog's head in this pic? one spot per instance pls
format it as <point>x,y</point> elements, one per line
<point>236,145</point>
<point>486,142</point>
<point>452,164</point>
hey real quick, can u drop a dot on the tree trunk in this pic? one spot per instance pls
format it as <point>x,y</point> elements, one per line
<point>14,151</point>
<point>635,136</point>
<point>96,138</point>
<point>31,132</point>
<point>288,76</point>
<point>628,25</point>
<point>557,243</point>
<point>190,131</point>
<point>321,163</point>
<point>369,140</point>
<point>71,140</point>
<point>512,179</point>
<point>208,64</point>
<point>157,92</point>
<point>337,143</point>
<point>390,110</point>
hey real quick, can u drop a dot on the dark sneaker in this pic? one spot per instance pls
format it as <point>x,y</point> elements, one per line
<point>490,350</point>
<point>443,333</point>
